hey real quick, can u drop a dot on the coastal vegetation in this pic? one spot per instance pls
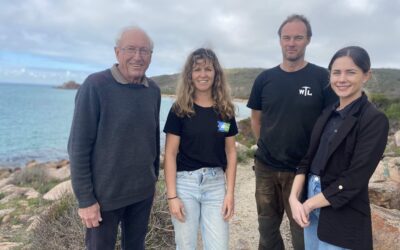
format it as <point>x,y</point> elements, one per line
<point>383,89</point>
<point>38,211</point>
<point>384,81</point>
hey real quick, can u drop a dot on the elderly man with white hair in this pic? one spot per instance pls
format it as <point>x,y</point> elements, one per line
<point>114,146</point>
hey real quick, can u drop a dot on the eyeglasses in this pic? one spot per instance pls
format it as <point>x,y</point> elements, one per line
<point>133,50</point>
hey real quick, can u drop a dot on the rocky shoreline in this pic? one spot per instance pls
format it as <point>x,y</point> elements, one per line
<point>27,193</point>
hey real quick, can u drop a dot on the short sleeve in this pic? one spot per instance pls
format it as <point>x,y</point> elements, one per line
<point>233,129</point>
<point>255,95</point>
<point>173,125</point>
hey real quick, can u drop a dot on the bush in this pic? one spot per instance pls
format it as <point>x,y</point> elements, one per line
<point>245,135</point>
<point>393,111</point>
<point>34,177</point>
<point>380,100</point>
<point>391,107</point>
<point>61,228</point>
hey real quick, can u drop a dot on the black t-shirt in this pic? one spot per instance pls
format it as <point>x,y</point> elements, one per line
<point>202,138</point>
<point>290,103</point>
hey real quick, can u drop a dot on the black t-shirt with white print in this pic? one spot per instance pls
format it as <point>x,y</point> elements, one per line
<point>290,103</point>
<point>202,138</point>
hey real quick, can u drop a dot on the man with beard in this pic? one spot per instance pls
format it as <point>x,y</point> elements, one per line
<point>286,101</point>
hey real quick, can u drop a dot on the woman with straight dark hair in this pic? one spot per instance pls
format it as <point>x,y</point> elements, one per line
<point>347,143</point>
<point>200,154</point>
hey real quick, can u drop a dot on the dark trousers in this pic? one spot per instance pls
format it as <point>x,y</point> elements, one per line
<point>133,218</point>
<point>272,197</point>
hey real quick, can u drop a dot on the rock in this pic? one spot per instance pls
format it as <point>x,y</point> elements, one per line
<point>31,194</point>
<point>5,172</point>
<point>5,181</point>
<point>6,219</point>
<point>58,172</point>
<point>35,222</point>
<point>14,192</point>
<point>387,169</point>
<point>58,191</point>
<point>16,227</point>
<point>393,169</point>
<point>385,228</point>
<point>254,147</point>
<point>69,85</point>
<point>9,245</point>
<point>397,138</point>
<point>385,194</point>
<point>24,218</point>
<point>5,212</point>
<point>31,164</point>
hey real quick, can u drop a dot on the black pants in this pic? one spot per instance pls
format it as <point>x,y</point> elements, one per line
<point>134,220</point>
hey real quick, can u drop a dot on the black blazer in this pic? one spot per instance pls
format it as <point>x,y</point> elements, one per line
<point>353,156</point>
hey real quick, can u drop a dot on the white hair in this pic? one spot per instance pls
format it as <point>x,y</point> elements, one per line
<point>133,28</point>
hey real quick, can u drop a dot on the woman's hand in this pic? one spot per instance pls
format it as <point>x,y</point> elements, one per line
<point>299,214</point>
<point>228,208</point>
<point>177,209</point>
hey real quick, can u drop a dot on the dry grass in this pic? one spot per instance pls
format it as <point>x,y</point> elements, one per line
<point>60,227</point>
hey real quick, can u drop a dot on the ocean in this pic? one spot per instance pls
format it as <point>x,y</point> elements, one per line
<point>35,121</point>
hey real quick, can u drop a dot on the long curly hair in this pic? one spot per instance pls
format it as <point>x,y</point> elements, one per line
<point>220,92</point>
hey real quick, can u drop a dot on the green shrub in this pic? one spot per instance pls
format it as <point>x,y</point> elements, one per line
<point>393,111</point>
<point>34,177</point>
<point>380,100</point>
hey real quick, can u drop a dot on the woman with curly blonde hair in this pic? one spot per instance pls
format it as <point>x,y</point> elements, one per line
<point>200,154</point>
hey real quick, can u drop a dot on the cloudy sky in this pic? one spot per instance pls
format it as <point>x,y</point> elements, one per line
<point>49,42</point>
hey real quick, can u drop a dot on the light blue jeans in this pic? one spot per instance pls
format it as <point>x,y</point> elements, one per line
<point>311,241</point>
<point>202,193</point>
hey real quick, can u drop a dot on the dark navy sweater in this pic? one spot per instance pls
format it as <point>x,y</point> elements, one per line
<point>114,143</point>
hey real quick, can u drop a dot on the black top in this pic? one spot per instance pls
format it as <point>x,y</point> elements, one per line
<point>202,138</point>
<point>114,142</point>
<point>330,130</point>
<point>353,155</point>
<point>290,103</point>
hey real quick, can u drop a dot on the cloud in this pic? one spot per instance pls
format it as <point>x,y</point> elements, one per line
<point>79,35</point>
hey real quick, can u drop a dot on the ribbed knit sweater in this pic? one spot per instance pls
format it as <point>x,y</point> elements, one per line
<point>114,143</point>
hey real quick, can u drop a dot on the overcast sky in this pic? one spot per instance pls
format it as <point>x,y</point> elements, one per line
<point>49,42</point>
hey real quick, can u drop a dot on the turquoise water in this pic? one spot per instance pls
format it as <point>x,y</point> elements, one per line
<point>35,122</point>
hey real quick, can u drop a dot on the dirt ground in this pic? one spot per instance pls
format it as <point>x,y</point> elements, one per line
<point>244,226</point>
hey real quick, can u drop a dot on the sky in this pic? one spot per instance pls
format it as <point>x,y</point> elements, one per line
<point>51,42</point>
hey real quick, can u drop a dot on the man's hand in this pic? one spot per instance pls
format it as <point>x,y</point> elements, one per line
<point>90,216</point>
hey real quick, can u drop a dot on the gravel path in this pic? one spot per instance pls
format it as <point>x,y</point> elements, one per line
<point>244,226</point>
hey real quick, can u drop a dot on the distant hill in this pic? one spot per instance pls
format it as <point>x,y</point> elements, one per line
<point>384,81</point>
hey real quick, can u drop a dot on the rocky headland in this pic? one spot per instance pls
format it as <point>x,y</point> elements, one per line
<point>69,85</point>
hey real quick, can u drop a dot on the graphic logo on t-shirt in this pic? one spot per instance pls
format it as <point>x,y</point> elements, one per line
<point>223,126</point>
<point>305,90</point>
